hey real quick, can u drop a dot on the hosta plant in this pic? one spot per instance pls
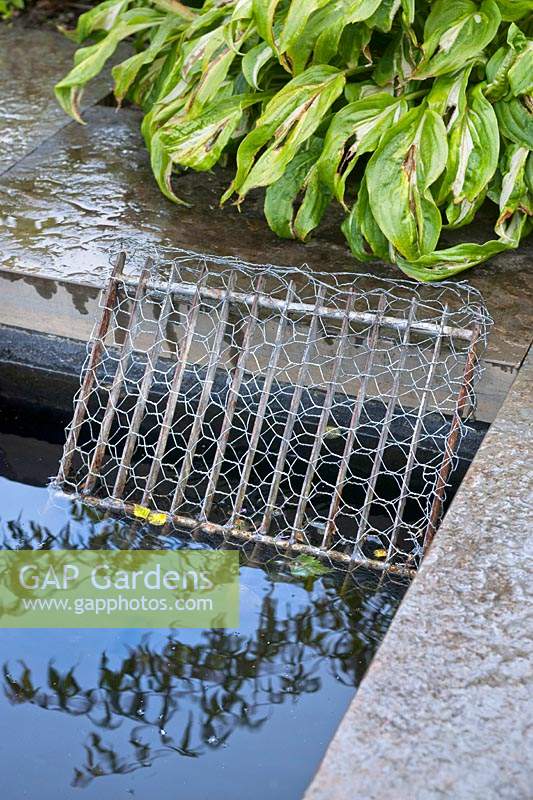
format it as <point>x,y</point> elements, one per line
<point>9,7</point>
<point>409,114</point>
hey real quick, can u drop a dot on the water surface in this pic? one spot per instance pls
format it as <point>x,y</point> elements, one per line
<point>192,714</point>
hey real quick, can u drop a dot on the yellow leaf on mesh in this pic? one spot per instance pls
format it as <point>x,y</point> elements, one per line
<point>141,512</point>
<point>380,553</point>
<point>156,518</point>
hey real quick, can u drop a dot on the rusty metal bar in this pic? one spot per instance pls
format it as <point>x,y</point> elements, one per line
<point>414,440</point>
<point>89,378</point>
<point>214,357</point>
<point>118,380</point>
<point>261,409</point>
<point>378,458</point>
<point>231,403</point>
<point>327,312</point>
<point>149,371</point>
<point>170,409</point>
<point>213,529</point>
<point>452,441</point>
<point>323,421</point>
<point>372,340</point>
<point>291,415</point>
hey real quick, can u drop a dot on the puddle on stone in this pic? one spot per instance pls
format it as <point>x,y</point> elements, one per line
<point>188,713</point>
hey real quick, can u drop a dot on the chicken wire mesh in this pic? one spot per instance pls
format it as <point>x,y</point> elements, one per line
<point>257,405</point>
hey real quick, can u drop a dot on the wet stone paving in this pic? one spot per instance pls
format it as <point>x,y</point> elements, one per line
<point>59,217</point>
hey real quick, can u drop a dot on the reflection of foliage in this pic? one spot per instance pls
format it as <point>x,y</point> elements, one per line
<point>305,566</point>
<point>182,698</point>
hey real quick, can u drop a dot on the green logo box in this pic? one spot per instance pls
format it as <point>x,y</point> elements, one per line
<point>119,589</point>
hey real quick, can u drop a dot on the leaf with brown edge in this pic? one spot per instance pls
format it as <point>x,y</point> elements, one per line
<point>410,158</point>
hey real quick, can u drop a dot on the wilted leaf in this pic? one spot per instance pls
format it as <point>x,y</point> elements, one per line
<point>355,130</point>
<point>363,234</point>
<point>197,142</point>
<point>399,175</point>
<point>288,120</point>
<point>89,61</point>
<point>419,110</point>
<point>281,196</point>
<point>473,149</point>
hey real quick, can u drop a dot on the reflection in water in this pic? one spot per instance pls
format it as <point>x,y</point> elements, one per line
<point>187,694</point>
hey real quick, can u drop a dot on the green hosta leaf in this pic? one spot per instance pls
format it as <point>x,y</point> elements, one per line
<point>324,21</point>
<point>514,189</point>
<point>351,47</point>
<point>300,180</point>
<point>8,7</point>
<point>510,69</point>
<point>359,10</point>
<point>408,9</point>
<point>299,13</point>
<point>399,175</point>
<point>521,73</point>
<point>333,34</point>
<point>362,232</point>
<point>448,94</point>
<point>529,173</point>
<point>315,201</point>
<point>455,32</point>
<point>197,143</point>
<point>443,264</point>
<point>397,64</point>
<point>428,91</point>
<point>254,61</point>
<point>514,9</point>
<point>289,119</point>
<point>384,15</point>
<point>516,121</point>
<point>100,18</point>
<point>212,79</point>
<point>354,130</point>
<point>264,12</point>
<point>243,10</point>
<point>473,150</point>
<point>296,20</point>
<point>89,61</point>
<point>281,196</point>
<point>124,74</point>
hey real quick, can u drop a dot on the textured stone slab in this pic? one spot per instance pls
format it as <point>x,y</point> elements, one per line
<point>445,710</point>
<point>67,203</point>
<point>31,62</point>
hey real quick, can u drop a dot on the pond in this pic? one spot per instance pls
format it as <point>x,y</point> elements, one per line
<point>183,713</point>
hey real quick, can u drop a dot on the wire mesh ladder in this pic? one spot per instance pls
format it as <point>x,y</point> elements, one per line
<point>307,413</point>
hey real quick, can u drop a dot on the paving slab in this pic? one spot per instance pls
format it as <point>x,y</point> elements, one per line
<point>67,203</point>
<point>32,60</point>
<point>446,707</point>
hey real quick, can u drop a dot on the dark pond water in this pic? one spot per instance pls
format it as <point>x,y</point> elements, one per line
<point>190,714</point>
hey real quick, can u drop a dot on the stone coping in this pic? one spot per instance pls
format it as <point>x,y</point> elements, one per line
<point>445,709</point>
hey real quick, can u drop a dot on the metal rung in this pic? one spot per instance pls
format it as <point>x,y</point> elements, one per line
<point>255,410</point>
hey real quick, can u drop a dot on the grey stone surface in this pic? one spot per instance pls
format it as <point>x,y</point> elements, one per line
<point>66,204</point>
<point>446,708</point>
<point>31,62</point>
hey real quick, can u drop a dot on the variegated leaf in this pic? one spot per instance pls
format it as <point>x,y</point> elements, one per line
<point>288,120</point>
<point>410,158</point>
<point>473,150</point>
<point>455,32</point>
